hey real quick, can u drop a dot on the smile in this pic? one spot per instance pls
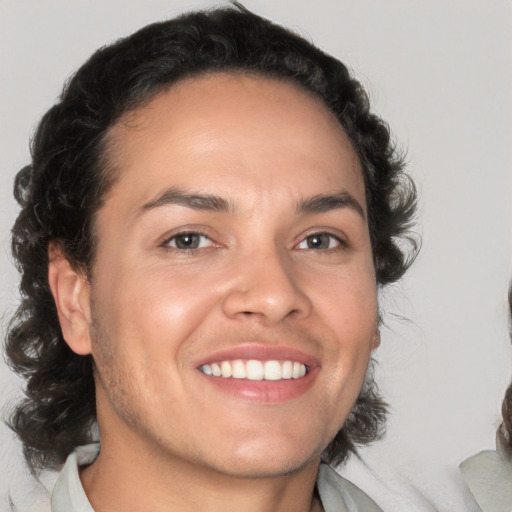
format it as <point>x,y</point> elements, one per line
<point>256,370</point>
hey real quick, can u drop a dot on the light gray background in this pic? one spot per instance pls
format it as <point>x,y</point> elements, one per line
<point>439,72</point>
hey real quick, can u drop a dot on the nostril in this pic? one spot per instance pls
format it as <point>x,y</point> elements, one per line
<point>257,298</point>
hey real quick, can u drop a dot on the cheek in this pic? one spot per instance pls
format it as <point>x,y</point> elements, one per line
<point>347,301</point>
<point>156,308</point>
<point>347,306</point>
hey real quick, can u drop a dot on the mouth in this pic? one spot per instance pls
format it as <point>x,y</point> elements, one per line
<point>256,370</point>
<point>260,373</point>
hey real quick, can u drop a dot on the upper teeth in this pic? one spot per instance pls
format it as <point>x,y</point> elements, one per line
<point>256,370</point>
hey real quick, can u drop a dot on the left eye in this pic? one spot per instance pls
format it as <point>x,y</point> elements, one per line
<point>320,241</point>
<point>189,241</point>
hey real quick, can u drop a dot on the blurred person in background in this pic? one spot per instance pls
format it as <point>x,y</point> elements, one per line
<point>489,473</point>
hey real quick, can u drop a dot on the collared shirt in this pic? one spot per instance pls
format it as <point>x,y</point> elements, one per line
<point>489,477</point>
<point>336,493</point>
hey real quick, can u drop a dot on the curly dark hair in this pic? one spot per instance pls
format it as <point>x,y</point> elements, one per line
<point>63,188</point>
<point>505,429</point>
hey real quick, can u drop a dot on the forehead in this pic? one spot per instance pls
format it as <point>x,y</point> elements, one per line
<point>233,129</point>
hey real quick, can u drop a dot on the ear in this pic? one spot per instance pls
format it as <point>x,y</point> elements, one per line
<point>71,293</point>
<point>376,339</point>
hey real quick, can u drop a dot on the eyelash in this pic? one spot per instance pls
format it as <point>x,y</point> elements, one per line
<point>167,244</point>
<point>339,243</point>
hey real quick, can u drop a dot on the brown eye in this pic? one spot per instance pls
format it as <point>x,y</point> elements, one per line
<point>320,241</point>
<point>189,241</point>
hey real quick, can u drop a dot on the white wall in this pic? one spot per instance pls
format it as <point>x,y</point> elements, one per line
<point>439,72</point>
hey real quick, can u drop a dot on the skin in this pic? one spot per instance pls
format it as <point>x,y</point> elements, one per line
<point>153,312</point>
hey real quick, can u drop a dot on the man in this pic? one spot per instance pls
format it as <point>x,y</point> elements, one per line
<point>210,209</point>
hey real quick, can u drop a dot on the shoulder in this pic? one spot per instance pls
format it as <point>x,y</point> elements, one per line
<point>488,475</point>
<point>340,495</point>
<point>68,494</point>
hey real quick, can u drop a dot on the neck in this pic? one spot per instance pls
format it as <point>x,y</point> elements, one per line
<point>140,478</point>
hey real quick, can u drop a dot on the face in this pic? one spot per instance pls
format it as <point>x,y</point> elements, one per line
<point>233,295</point>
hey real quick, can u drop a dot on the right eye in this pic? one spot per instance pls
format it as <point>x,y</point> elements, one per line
<point>188,241</point>
<point>320,241</point>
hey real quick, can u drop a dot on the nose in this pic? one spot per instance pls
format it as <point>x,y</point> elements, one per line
<point>266,287</point>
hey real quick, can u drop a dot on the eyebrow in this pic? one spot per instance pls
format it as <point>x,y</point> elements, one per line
<point>326,202</point>
<point>194,201</point>
<point>316,204</point>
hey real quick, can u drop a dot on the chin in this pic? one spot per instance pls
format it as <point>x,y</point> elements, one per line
<point>268,462</point>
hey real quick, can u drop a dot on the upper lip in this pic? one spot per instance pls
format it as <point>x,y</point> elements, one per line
<point>261,352</point>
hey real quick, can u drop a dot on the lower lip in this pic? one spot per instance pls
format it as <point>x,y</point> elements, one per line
<point>265,391</point>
